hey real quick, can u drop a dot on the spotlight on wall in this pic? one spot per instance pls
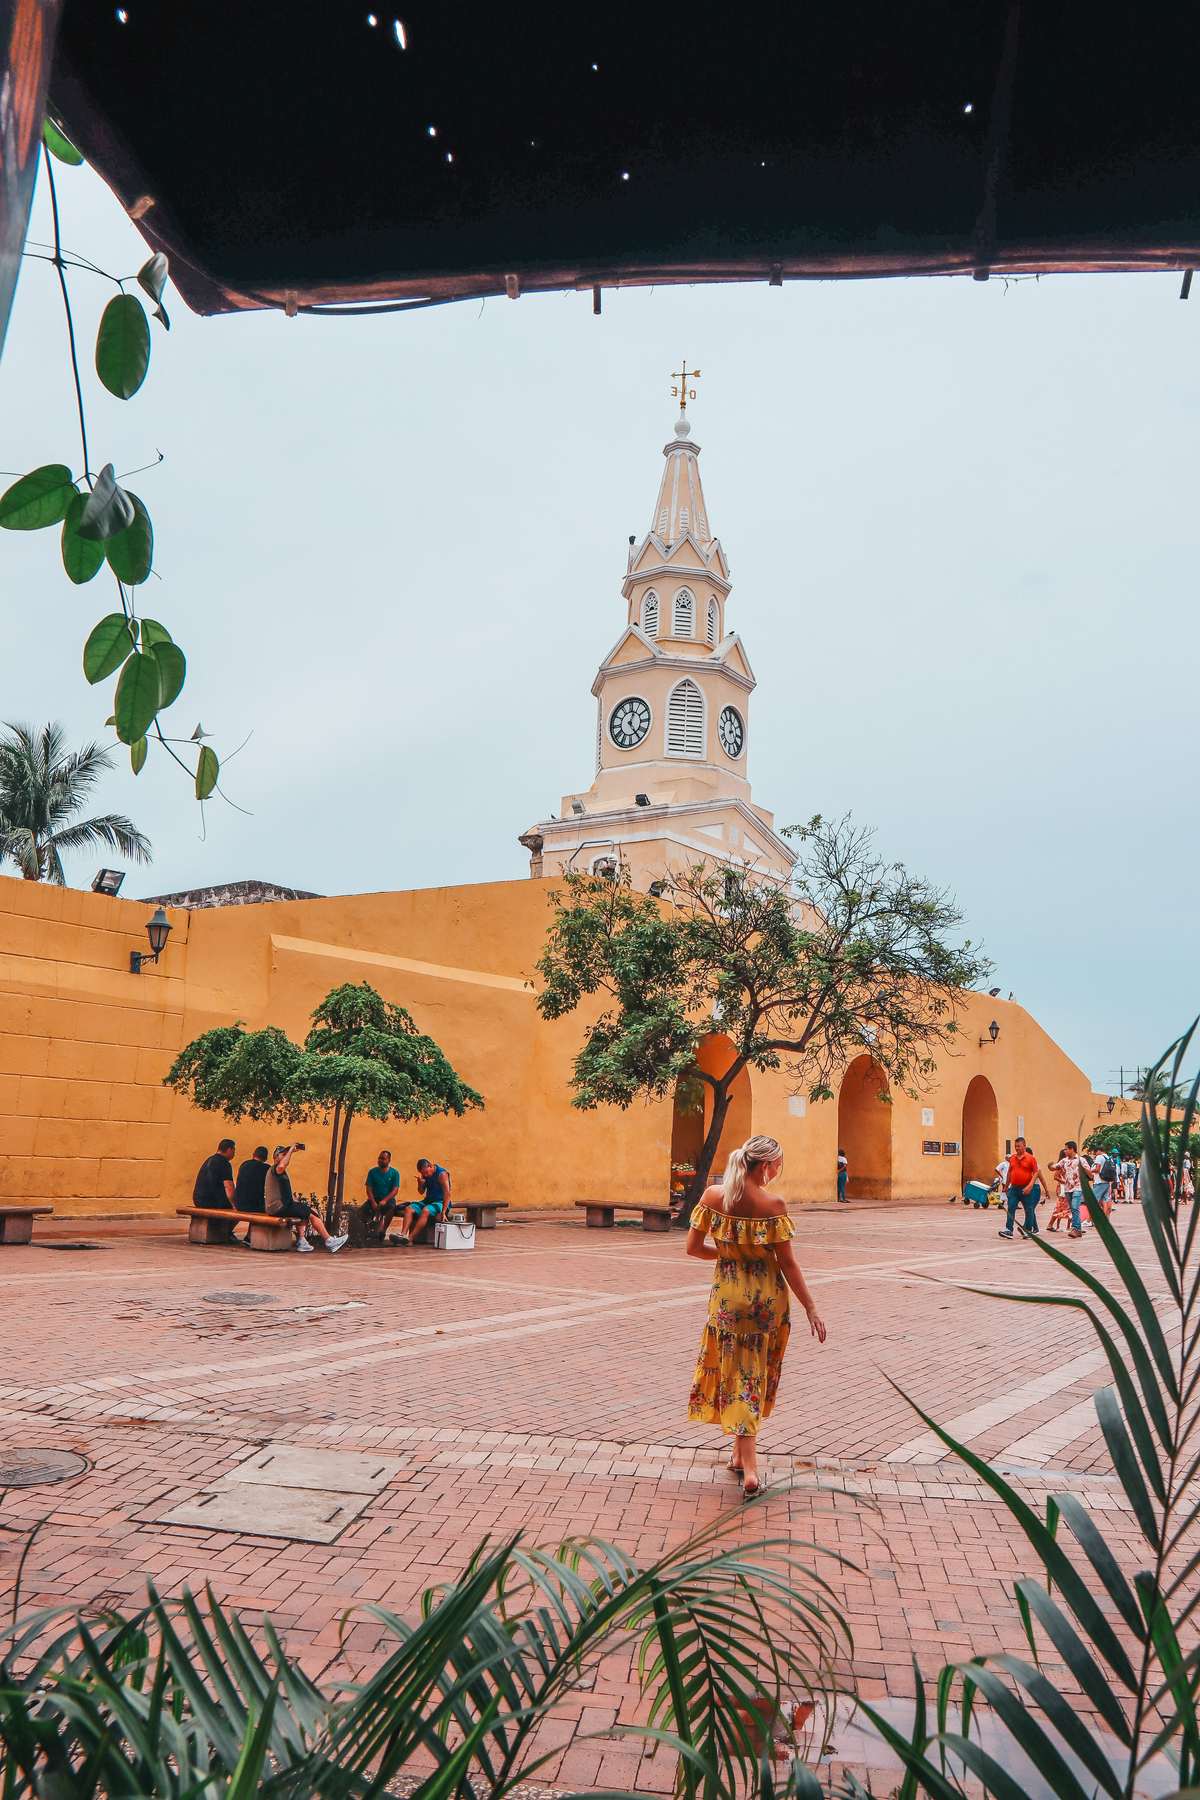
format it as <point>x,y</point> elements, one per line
<point>108,881</point>
<point>993,1032</point>
<point>659,888</point>
<point>641,799</point>
<point>994,993</point>
<point>577,808</point>
<point>158,930</point>
<point>1111,1103</point>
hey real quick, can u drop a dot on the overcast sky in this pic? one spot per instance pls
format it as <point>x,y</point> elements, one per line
<point>392,548</point>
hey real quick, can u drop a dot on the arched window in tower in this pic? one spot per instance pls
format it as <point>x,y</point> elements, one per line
<point>684,618</point>
<point>650,615</point>
<point>685,720</point>
<point>712,621</point>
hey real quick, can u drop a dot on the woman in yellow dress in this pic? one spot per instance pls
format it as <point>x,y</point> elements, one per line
<point>741,1351</point>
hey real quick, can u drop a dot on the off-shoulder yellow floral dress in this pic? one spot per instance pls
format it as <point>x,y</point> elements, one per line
<point>741,1351</point>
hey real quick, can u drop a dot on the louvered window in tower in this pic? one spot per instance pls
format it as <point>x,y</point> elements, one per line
<point>684,624</point>
<point>683,519</point>
<point>685,720</point>
<point>650,615</point>
<point>662,523</point>
<point>712,621</point>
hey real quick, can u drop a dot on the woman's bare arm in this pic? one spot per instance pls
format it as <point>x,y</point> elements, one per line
<point>697,1245</point>
<point>792,1273</point>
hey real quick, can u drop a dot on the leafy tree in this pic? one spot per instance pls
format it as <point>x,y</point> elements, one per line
<point>1127,1139</point>
<point>363,1055</point>
<point>43,786</point>
<point>857,955</point>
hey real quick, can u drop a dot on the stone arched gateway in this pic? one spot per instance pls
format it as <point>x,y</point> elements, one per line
<point>694,1105</point>
<point>980,1131</point>
<point>865,1130</point>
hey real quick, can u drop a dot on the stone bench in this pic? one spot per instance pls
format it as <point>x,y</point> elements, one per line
<point>602,1213</point>
<point>214,1225</point>
<point>482,1213</point>
<point>16,1223</point>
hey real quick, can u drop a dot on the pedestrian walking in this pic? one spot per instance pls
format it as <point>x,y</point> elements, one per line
<point>1023,1188</point>
<point>746,1334</point>
<point>1187,1184</point>
<point>1062,1210</point>
<point>843,1176</point>
<point>1103,1174</point>
<point>1066,1172</point>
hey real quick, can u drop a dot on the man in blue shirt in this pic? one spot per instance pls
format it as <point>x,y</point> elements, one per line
<point>383,1185</point>
<point>432,1202</point>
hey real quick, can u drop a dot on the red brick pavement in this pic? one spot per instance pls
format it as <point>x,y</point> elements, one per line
<point>541,1384</point>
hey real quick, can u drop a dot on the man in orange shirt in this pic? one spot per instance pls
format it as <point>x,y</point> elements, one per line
<point>1023,1189</point>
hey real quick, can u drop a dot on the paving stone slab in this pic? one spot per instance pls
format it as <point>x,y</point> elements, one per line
<point>305,1515</point>
<point>298,1466</point>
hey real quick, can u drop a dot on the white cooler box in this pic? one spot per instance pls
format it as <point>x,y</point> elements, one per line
<point>454,1233</point>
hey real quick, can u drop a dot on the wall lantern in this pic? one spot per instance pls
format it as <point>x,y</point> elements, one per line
<point>158,930</point>
<point>1111,1103</point>
<point>993,1032</point>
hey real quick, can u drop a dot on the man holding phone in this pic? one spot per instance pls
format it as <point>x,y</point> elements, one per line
<point>283,1204</point>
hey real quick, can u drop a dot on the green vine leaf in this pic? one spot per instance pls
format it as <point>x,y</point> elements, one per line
<point>109,644</point>
<point>108,508</point>
<point>208,770</point>
<point>60,145</point>
<point>154,634</point>
<point>123,346</point>
<point>172,666</point>
<point>137,755</point>
<point>130,552</point>
<point>37,499</point>
<point>81,557</point>
<point>152,279</point>
<point>138,696</point>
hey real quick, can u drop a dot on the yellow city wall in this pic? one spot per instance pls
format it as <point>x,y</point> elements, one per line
<point>86,1124</point>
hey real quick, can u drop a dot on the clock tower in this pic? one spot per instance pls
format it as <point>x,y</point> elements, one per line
<point>673,730</point>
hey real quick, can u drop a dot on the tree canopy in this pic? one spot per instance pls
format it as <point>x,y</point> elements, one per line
<point>363,1054</point>
<point>857,954</point>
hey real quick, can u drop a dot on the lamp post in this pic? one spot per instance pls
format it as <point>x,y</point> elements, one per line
<point>158,930</point>
<point>993,1032</point>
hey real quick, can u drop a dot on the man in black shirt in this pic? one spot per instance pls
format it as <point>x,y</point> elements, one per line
<point>251,1180</point>
<point>214,1181</point>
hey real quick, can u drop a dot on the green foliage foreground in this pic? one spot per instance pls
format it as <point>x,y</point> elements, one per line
<point>181,1700</point>
<point>1128,1640</point>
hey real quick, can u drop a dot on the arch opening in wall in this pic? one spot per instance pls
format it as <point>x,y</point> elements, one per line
<point>693,1111</point>
<point>865,1130</point>
<point>683,614</point>
<point>650,615</point>
<point>980,1131</point>
<point>685,720</point>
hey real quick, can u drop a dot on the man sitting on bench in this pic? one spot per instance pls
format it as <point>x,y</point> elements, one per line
<point>383,1183</point>
<point>213,1187</point>
<point>433,1198</point>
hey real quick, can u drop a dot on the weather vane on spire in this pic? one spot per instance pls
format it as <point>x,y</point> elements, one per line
<point>683,393</point>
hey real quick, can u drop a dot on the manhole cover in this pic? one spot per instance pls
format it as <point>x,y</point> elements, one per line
<point>239,1297</point>
<point>29,1468</point>
<point>43,1245</point>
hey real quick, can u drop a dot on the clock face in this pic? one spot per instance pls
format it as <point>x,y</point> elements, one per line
<point>731,731</point>
<point>629,723</point>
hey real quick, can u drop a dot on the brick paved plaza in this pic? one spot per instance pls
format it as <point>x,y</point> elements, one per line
<point>539,1383</point>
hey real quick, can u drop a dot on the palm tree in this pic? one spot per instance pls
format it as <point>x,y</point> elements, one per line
<point>42,788</point>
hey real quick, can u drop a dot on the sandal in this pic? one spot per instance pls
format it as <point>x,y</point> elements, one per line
<point>735,1468</point>
<point>751,1493</point>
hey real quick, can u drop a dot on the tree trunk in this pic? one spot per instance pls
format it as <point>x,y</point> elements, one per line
<point>708,1149</point>
<point>331,1176</point>
<point>342,1147</point>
